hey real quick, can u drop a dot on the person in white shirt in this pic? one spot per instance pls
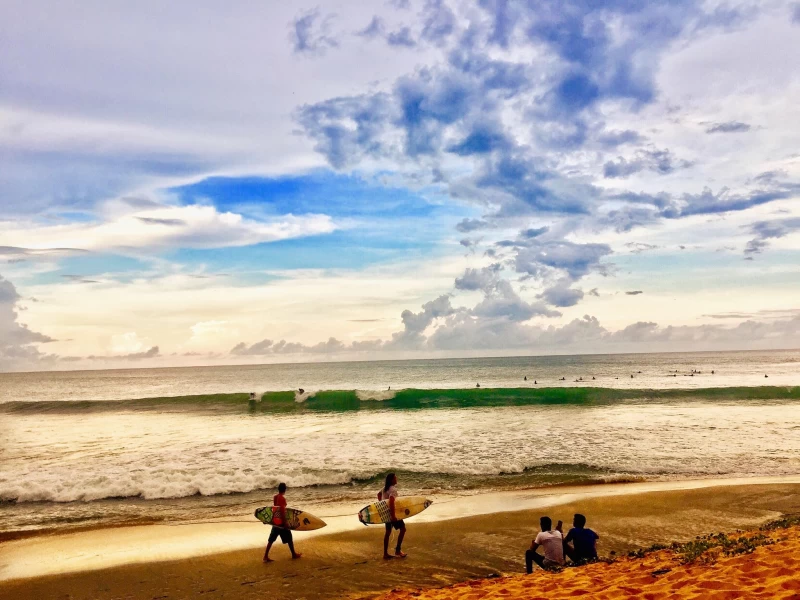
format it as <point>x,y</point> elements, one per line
<point>551,541</point>
<point>389,493</point>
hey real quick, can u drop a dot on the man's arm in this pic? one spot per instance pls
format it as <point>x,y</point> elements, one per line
<point>534,545</point>
<point>391,508</point>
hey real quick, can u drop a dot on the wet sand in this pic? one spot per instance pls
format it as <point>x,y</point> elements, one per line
<point>349,564</point>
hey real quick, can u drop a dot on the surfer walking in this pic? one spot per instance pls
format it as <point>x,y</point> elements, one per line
<point>388,494</point>
<point>278,525</point>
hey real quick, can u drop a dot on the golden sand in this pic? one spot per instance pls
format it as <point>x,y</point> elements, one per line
<point>769,571</point>
<point>349,565</point>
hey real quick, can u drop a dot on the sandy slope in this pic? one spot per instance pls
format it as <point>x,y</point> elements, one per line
<point>771,571</point>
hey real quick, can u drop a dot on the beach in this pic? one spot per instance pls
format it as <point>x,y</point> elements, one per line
<point>348,564</point>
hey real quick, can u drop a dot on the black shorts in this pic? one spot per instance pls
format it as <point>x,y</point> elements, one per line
<point>280,532</point>
<point>396,524</point>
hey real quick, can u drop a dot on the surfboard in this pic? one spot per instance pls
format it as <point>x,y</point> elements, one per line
<point>296,519</point>
<point>404,507</point>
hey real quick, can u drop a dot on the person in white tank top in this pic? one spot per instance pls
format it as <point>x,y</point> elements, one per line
<point>389,493</point>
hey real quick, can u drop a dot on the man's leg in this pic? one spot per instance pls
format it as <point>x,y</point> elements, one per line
<point>386,537</point>
<point>266,553</point>
<point>570,553</point>
<point>397,550</point>
<point>533,557</point>
<point>290,542</point>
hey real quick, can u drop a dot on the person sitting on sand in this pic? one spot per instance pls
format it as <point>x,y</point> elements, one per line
<point>389,493</point>
<point>279,510</point>
<point>551,541</point>
<point>584,541</point>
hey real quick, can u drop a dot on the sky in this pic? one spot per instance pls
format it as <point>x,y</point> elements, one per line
<point>191,183</point>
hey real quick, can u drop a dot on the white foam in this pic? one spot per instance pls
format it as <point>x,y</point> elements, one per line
<point>375,395</point>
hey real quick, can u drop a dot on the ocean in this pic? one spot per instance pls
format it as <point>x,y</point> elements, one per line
<point>103,448</point>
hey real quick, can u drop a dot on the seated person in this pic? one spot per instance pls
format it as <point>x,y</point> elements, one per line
<point>584,541</point>
<point>551,541</point>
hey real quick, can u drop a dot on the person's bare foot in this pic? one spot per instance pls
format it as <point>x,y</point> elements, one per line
<point>400,554</point>
<point>296,556</point>
<point>387,557</point>
<point>267,559</point>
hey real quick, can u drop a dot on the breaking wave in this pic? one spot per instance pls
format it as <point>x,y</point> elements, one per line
<point>403,399</point>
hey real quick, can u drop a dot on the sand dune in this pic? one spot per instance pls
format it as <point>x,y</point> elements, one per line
<point>770,571</point>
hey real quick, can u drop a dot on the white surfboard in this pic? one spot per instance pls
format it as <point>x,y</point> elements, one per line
<point>297,520</point>
<point>404,507</point>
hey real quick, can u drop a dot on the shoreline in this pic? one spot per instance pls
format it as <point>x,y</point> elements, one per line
<point>509,516</point>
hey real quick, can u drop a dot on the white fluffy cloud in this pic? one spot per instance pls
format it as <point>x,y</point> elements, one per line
<point>142,226</point>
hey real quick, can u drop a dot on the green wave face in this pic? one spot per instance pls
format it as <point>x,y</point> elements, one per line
<point>408,399</point>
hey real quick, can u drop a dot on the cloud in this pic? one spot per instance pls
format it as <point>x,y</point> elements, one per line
<point>310,33</point>
<point>639,247</point>
<point>770,230</point>
<point>708,202</point>
<point>18,344</point>
<point>154,221</point>
<point>374,29</point>
<point>401,37</point>
<point>612,139</point>
<point>78,278</point>
<point>562,295</point>
<point>190,226</point>
<point>438,22</point>
<point>577,260</point>
<point>588,335</point>
<point>469,225</point>
<point>479,279</point>
<point>258,349</point>
<point>502,302</point>
<point>728,127</point>
<point>16,253</point>
<point>152,352</point>
<point>795,8</point>
<point>267,347</point>
<point>661,162</point>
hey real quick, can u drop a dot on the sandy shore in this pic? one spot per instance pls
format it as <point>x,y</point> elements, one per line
<point>348,563</point>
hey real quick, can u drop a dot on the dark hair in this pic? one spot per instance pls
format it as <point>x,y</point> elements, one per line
<point>281,487</point>
<point>580,520</point>
<point>388,483</point>
<point>546,523</point>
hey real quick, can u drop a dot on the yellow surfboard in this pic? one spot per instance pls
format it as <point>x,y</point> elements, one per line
<point>404,507</point>
<point>297,520</point>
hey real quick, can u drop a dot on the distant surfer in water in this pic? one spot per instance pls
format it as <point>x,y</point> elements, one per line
<point>279,506</point>
<point>389,493</point>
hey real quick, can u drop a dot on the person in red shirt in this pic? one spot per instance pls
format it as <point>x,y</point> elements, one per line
<point>278,522</point>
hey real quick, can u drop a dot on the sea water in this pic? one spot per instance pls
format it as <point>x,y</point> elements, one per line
<point>84,449</point>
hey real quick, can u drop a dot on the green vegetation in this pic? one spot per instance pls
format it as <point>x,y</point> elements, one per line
<point>706,549</point>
